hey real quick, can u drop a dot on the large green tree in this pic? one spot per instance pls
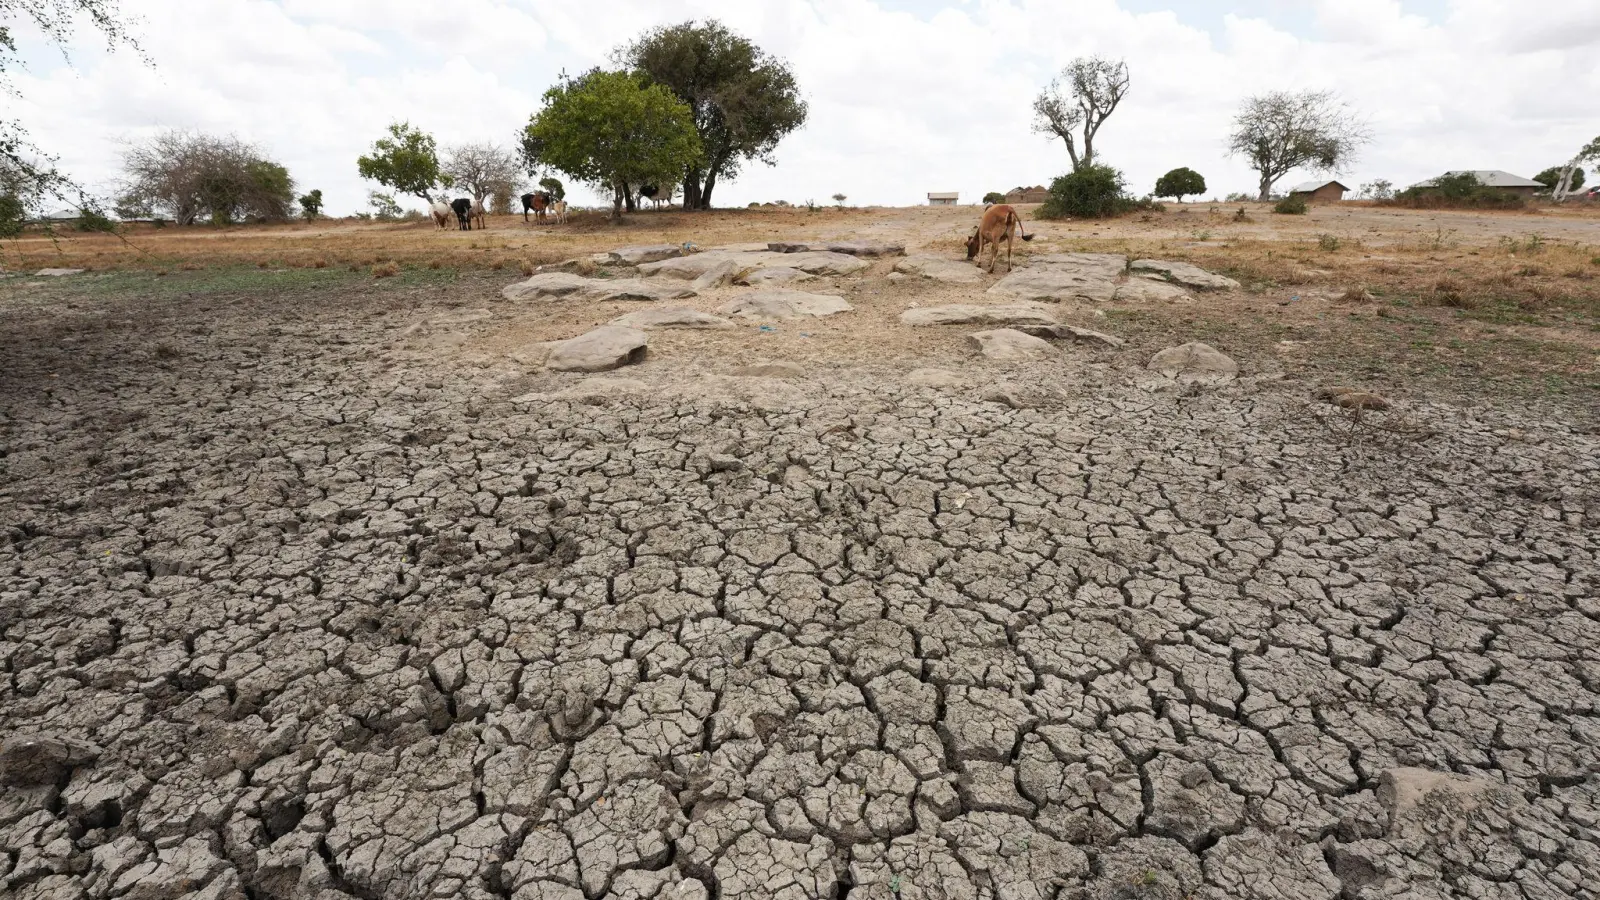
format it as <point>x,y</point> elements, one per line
<point>613,130</point>
<point>1179,183</point>
<point>187,176</point>
<point>743,101</point>
<point>406,161</point>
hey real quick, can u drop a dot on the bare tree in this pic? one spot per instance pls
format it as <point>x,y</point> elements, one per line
<point>1283,130</point>
<point>1589,153</point>
<point>1095,86</point>
<point>188,176</point>
<point>481,168</point>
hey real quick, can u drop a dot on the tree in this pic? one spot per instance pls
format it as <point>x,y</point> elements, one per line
<point>1180,183</point>
<point>1281,131</point>
<point>1381,189</point>
<point>839,199</point>
<point>481,169</point>
<point>187,176</point>
<point>1590,152</point>
<point>384,206</point>
<point>613,130</point>
<point>311,205</point>
<point>743,101</point>
<point>553,187</point>
<point>1551,177</point>
<point>406,161</point>
<point>1091,192</point>
<point>993,197</point>
<point>1095,86</point>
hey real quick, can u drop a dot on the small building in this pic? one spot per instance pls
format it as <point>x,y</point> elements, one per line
<point>1036,194</point>
<point>1319,191</point>
<point>1499,180</point>
<point>943,198</point>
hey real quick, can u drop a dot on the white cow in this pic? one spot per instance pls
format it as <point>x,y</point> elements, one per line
<point>560,208</point>
<point>478,213</point>
<point>441,213</point>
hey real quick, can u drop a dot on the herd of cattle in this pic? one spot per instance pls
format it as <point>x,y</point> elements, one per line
<point>541,203</point>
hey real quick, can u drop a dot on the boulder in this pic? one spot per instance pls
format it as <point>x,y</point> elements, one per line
<point>1185,274</point>
<point>1071,333</point>
<point>938,269</point>
<point>545,285</point>
<point>969,314</point>
<point>1194,361</point>
<point>634,256</point>
<point>774,275</point>
<point>776,303</point>
<point>607,347</point>
<point>633,289</point>
<point>1150,290</point>
<point>33,759</point>
<point>824,263</point>
<point>1008,344</point>
<point>1065,276</point>
<point>718,275</point>
<point>671,317</point>
<point>850,248</point>
<point>691,267</point>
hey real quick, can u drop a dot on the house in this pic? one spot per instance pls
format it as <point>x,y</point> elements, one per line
<point>1036,194</point>
<point>943,198</point>
<point>1319,191</point>
<point>1494,178</point>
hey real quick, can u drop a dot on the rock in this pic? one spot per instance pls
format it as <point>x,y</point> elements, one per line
<point>607,347</point>
<point>896,277</point>
<point>776,303</point>
<point>969,314</point>
<point>544,285</point>
<point>773,275</point>
<point>1352,398</point>
<point>1065,276</point>
<point>633,289</point>
<point>1072,333</point>
<point>1194,361</point>
<point>32,759</point>
<point>1142,289</point>
<point>771,370</point>
<point>671,317</point>
<point>936,378</point>
<point>691,267</point>
<point>634,256</point>
<point>1186,274</point>
<point>1408,793</point>
<point>938,269</point>
<point>824,263</point>
<point>718,275</point>
<point>849,248</point>
<point>56,273</point>
<point>1008,344</point>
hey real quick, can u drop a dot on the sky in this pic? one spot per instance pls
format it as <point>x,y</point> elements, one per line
<point>906,96</point>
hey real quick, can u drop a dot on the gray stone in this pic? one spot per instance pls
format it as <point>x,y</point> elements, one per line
<point>1014,314</point>
<point>1186,274</point>
<point>638,255</point>
<point>545,285</point>
<point>850,248</point>
<point>939,269</point>
<point>33,759</point>
<point>777,369</point>
<point>56,273</point>
<point>672,317</point>
<point>776,303</point>
<point>1065,276</point>
<point>1072,333</point>
<point>938,378</point>
<point>1141,289</point>
<point>1194,361</point>
<point>718,275</point>
<point>774,275</point>
<point>633,289</point>
<point>824,263</point>
<point>607,347</point>
<point>1006,344</point>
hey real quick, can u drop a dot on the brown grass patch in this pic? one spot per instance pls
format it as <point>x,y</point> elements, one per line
<point>386,270</point>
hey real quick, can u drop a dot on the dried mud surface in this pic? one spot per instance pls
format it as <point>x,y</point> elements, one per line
<point>289,612</point>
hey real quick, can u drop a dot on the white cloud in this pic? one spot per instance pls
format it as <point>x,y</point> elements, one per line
<point>901,103</point>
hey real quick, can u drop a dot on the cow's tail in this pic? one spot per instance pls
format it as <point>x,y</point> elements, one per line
<point>1011,216</point>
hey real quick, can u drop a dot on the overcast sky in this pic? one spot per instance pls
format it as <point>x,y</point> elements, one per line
<point>906,96</point>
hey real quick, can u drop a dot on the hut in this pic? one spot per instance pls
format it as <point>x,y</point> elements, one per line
<point>1319,191</point>
<point>943,198</point>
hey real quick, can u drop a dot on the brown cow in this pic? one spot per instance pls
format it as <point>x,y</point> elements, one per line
<point>996,226</point>
<point>538,201</point>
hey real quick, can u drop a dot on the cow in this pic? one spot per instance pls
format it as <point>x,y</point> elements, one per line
<point>996,226</point>
<point>560,208</point>
<point>538,201</point>
<point>478,213</point>
<point>463,210</point>
<point>441,213</point>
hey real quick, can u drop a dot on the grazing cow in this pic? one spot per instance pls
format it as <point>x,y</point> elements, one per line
<point>996,226</point>
<point>560,208</point>
<point>538,201</point>
<point>441,213</point>
<point>463,209</point>
<point>478,213</point>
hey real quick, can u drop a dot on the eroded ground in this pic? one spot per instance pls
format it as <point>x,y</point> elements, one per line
<point>314,593</point>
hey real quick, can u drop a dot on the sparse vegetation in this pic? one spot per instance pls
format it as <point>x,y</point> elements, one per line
<point>1327,243</point>
<point>386,270</point>
<point>1095,87</point>
<point>189,177</point>
<point>1281,131</point>
<point>1459,190</point>
<point>1292,205</point>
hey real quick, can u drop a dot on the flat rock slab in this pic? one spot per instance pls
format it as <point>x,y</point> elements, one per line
<point>870,249</point>
<point>778,369</point>
<point>633,256</point>
<point>1065,276</point>
<point>1143,289</point>
<point>972,314</point>
<point>775,275</point>
<point>938,269</point>
<point>1195,361</point>
<point>672,317</point>
<point>552,285</point>
<point>1186,274</point>
<point>1007,344</point>
<point>698,264</point>
<point>545,285</point>
<point>776,303</point>
<point>1071,333</point>
<point>605,348</point>
<point>56,273</point>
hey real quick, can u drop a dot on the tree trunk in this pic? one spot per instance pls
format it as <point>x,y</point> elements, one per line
<point>616,205</point>
<point>691,189</point>
<point>627,198</point>
<point>1266,188</point>
<point>1565,184</point>
<point>705,195</point>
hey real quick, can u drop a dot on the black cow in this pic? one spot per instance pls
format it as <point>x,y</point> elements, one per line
<point>463,211</point>
<point>538,201</point>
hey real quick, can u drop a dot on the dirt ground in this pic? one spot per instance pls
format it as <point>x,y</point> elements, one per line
<point>317,585</point>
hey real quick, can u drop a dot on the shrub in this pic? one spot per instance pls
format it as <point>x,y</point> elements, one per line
<point>311,205</point>
<point>1458,190</point>
<point>1240,197</point>
<point>1180,183</point>
<point>1327,242</point>
<point>1292,205</point>
<point>1551,177</point>
<point>93,220</point>
<point>1092,192</point>
<point>386,270</point>
<point>993,197</point>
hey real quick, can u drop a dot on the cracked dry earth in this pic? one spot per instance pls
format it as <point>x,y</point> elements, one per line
<point>288,615</point>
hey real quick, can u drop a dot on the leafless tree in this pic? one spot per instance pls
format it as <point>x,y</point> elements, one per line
<point>1589,153</point>
<point>1284,130</point>
<point>188,176</point>
<point>482,168</point>
<point>1094,87</point>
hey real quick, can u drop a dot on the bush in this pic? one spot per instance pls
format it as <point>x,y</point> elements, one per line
<point>311,205</point>
<point>993,197</point>
<point>93,220</point>
<point>1240,197</point>
<point>1461,190</point>
<point>1092,192</point>
<point>1551,177</point>
<point>1292,205</point>
<point>1180,183</point>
